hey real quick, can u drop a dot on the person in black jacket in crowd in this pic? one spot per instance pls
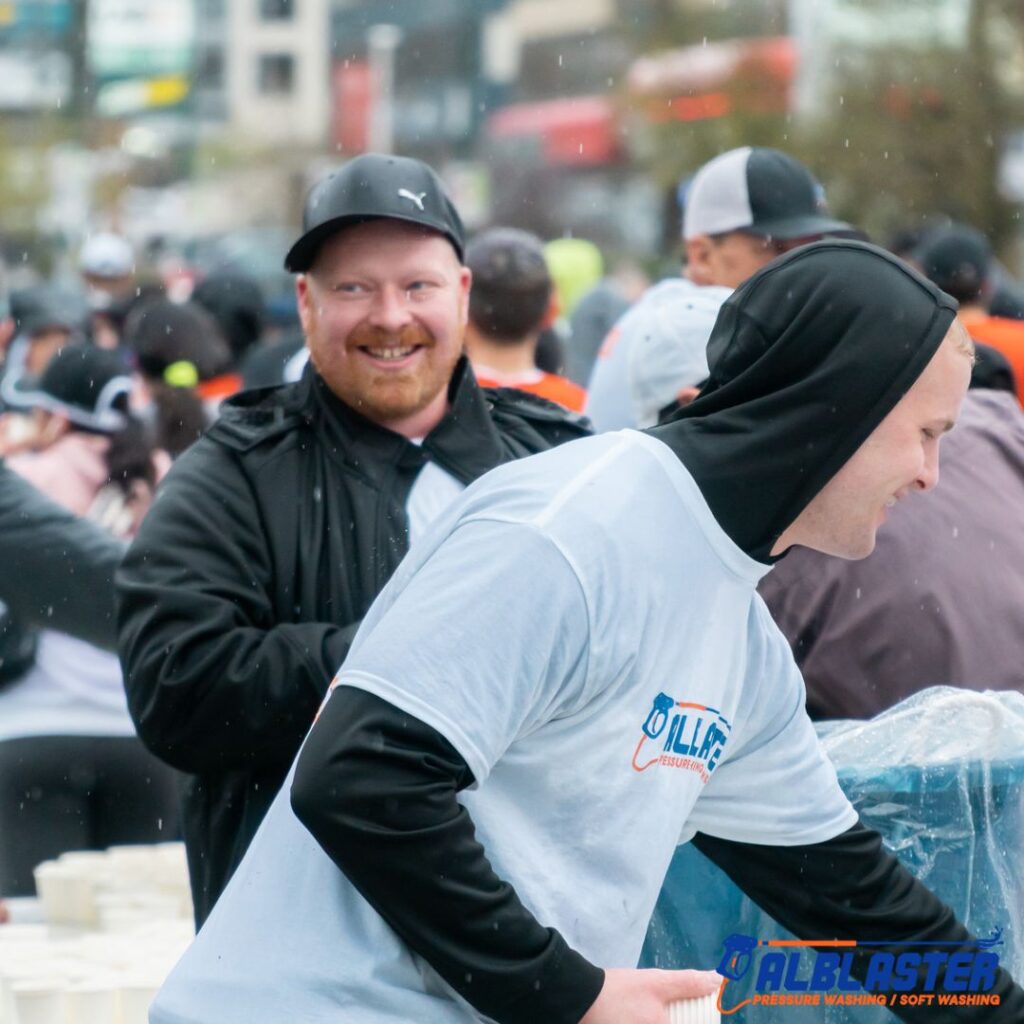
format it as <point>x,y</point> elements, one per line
<point>54,566</point>
<point>273,534</point>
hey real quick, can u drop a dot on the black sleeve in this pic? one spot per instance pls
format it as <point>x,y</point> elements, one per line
<point>213,680</point>
<point>851,887</point>
<point>56,570</point>
<point>377,788</point>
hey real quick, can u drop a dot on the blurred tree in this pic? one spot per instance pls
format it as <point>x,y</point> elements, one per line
<point>919,133</point>
<point>665,24</point>
<point>672,132</point>
<point>910,133</point>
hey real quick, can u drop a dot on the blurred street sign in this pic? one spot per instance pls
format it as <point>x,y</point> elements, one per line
<point>33,81</point>
<point>48,16</point>
<point>140,37</point>
<point>353,100</point>
<point>135,95</point>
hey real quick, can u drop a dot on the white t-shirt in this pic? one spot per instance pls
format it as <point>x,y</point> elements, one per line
<point>593,645</point>
<point>433,490</point>
<point>71,689</point>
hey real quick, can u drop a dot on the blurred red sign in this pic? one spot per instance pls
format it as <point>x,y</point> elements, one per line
<point>577,130</point>
<point>352,90</point>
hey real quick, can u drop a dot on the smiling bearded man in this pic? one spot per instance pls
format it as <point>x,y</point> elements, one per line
<point>274,533</point>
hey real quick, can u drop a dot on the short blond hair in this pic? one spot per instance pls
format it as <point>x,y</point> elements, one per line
<point>964,342</point>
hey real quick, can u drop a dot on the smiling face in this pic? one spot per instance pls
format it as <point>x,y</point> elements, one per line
<point>383,310</point>
<point>901,455</point>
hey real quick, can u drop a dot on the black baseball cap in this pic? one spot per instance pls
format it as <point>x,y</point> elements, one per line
<point>40,307</point>
<point>957,258</point>
<point>761,192</point>
<point>369,187</point>
<point>86,385</point>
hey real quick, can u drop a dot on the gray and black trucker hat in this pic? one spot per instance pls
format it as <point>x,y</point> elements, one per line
<point>372,186</point>
<point>760,191</point>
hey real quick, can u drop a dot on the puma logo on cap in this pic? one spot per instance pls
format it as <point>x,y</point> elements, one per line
<point>413,197</point>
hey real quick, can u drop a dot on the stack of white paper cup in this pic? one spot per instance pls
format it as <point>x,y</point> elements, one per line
<point>116,889</point>
<point>116,923</point>
<point>695,1011</point>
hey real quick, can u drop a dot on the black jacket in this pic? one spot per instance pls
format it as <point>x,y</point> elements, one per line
<point>266,545</point>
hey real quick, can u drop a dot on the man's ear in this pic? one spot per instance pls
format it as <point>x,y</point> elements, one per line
<point>304,302</point>
<point>551,313</point>
<point>6,333</point>
<point>698,259</point>
<point>465,284</point>
<point>51,427</point>
<point>686,395</point>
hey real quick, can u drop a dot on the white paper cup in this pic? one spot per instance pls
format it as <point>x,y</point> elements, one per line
<point>695,1011</point>
<point>40,1001</point>
<point>136,997</point>
<point>93,1003</point>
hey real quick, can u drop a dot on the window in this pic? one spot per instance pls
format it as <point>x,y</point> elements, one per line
<point>210,67</point>
<point>276,74</point>
<point>277,10</point>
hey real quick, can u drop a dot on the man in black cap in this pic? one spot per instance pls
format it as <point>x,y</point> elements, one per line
<point>275,532</point>
<point>45,320</point>
<point>479,822</point>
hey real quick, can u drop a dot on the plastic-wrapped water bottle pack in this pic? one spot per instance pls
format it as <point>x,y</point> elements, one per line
<point>941,777</point>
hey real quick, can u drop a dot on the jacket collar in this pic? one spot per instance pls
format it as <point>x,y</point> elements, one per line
<point>465,443</point>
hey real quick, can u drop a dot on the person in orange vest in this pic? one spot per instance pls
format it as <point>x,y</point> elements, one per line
<point>958,259</point>
<point>511,301</point>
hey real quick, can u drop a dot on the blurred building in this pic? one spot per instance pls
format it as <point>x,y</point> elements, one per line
<point>512,99</point>
<point>828,32</point>
<point>210,79</point>
<point>36,67</point>
<point>276,70</point>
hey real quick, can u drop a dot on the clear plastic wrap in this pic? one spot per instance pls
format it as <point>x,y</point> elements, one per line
<point>941,777</point>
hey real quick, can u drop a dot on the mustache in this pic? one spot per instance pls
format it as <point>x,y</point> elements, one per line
<point>369,336</point>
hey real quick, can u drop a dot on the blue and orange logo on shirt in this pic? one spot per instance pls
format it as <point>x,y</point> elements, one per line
<point>891,973</point>
<point>691,736</point>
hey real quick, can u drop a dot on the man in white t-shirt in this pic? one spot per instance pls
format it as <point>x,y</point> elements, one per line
<point>741,210</point>
<point>572,673</point>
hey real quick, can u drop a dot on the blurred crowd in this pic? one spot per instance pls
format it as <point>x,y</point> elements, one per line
<point>266,480</point>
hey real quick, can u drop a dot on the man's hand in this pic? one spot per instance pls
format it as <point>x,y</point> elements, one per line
<point>643,997</point>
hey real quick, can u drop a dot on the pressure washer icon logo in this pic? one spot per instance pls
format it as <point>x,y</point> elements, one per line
<point>737,957</point>
<point>691,736</point>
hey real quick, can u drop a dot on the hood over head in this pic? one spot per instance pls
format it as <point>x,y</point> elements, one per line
<point>807,357</point>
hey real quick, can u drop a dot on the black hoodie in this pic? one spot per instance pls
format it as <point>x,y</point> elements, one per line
<point>807,359</point>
